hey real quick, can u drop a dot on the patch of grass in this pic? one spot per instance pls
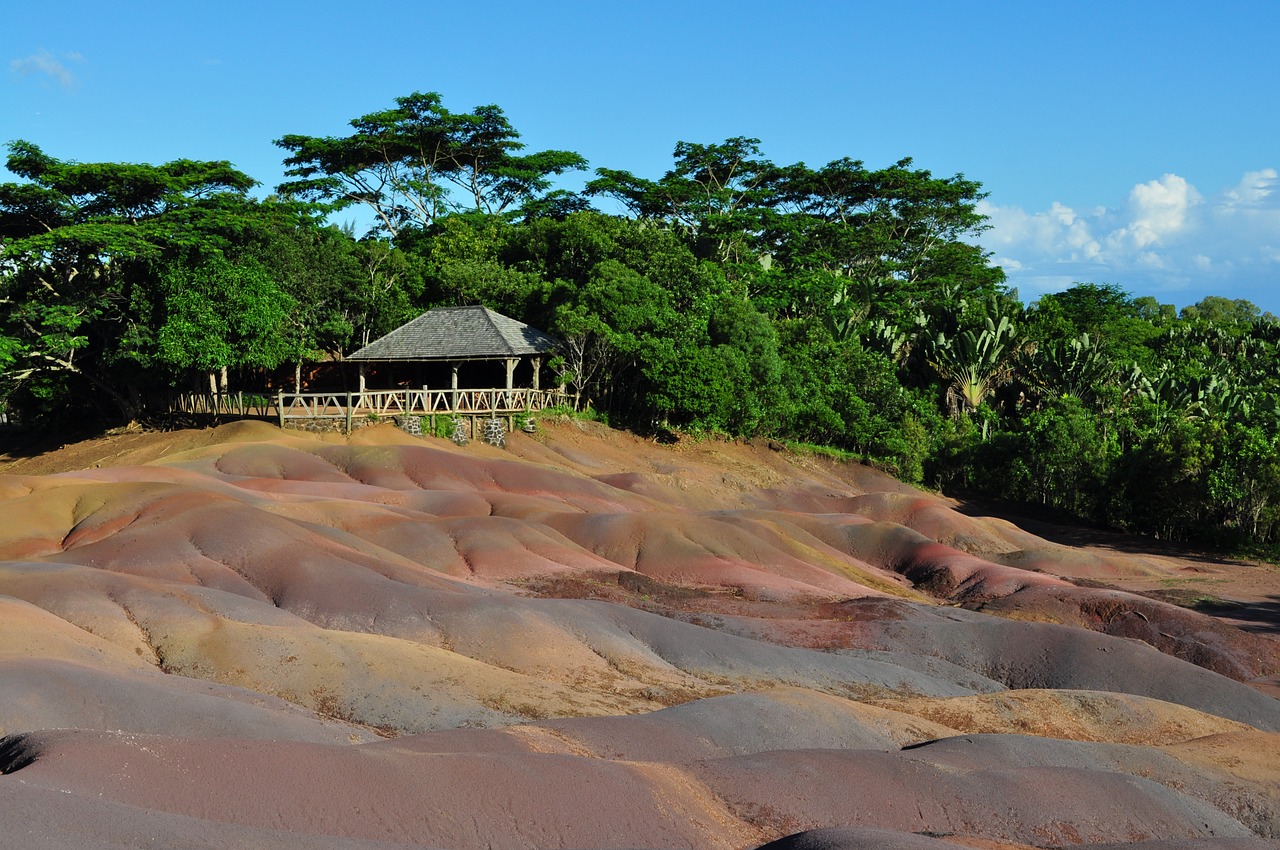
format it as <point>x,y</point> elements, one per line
<point>565,412</point>
<point>1194,599</point>
<point>1209,602</point>
<point>842,455</point>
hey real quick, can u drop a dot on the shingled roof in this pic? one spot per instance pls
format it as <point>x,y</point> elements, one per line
<point>458,333</point>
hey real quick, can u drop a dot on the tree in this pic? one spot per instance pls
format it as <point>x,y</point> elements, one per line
<point>388,294</point>
<point>1070,367</point>
<point>84,245</point>
<point>1059,455</point>
<point>1122,329</point>
<point>1089,307</point>
<point>338,287</point>
<point>885,238</point>
<point>1149,308</point>
<point>1244,480</point>
<point>220,315</point>
<point>619,330</point>
<point>972,365</point>
<point>715,196</point>
<point>743,345</point>
<point>1217,310</point>
<point>462,263</point>
<point>418,161</point>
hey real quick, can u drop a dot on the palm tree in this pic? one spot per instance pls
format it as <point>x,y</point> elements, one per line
<point>1076,367</point>
<point>974,365</point>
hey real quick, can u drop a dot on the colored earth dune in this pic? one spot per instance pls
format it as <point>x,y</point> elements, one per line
<point>243,637</point>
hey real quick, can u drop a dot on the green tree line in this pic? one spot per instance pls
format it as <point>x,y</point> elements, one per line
<point>844,306</point>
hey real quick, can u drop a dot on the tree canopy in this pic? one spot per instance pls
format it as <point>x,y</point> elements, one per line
<point>416,162</point>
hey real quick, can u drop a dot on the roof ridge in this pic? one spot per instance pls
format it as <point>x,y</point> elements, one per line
<point>488,315</point>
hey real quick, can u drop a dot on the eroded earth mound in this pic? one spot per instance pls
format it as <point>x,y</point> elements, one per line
<point>243,637</point>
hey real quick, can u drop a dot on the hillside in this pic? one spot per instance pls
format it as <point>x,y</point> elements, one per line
<point>248,637</point>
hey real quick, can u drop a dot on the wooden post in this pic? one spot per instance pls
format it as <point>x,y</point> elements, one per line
<point>453,386</point>
<point>280,408</point>
<point>361,379</point>
<point>511,371</point>
<point>537,373</point>
<point>350,411</point>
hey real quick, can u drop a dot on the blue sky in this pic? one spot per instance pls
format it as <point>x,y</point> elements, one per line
<point>1130,143</point>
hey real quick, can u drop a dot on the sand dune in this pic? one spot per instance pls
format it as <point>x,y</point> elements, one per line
<point>243,637</point>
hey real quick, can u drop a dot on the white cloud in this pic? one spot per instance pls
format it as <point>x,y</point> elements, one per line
<point>46,64</point>
<point>1058,230</point>
<point>1169,240</point>
<point>1159,209</point>
<point>1253,189</point>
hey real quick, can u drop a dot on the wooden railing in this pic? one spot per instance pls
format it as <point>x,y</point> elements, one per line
<point>244,405</point>
<point>347,407</point>
<point>425,402</point>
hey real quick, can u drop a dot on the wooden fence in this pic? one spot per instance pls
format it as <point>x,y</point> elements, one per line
<point>346,407</point>
<point>239,405</point>
<point>380,404</point>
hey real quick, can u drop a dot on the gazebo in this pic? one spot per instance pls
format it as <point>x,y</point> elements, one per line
<point>457,336</point>
<point>421,353</point>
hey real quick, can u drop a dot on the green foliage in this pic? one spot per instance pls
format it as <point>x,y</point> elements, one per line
<point>219,315</point>
<point>416,162</point>
<point>1244,480</point>
<point>87,243</point>
<point>972,365</point>
<point>1217,310</point>
<point>1070,367</point>
<point>128,279</point>
<point>715,196</point>
<point>890,232</point>
<point>745,345</point>
<point>462,264</point>
<point>1120,328</point>
<point>1059,456</point>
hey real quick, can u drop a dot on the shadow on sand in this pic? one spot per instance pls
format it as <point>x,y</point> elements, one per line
<point>1065,530</point>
